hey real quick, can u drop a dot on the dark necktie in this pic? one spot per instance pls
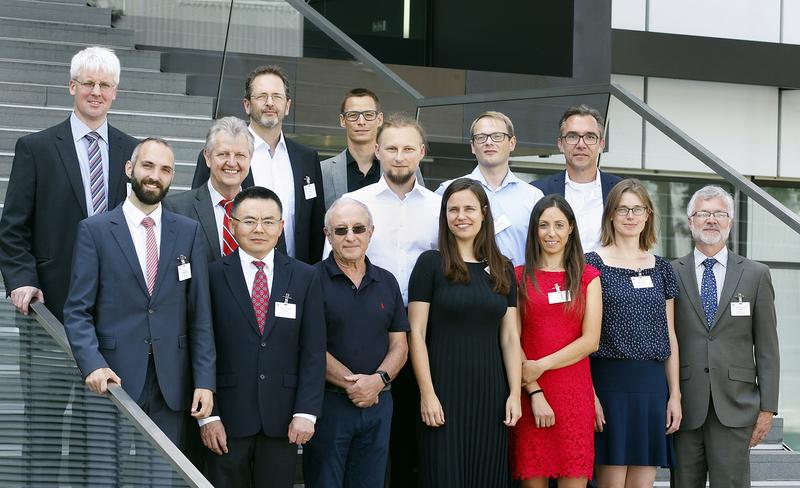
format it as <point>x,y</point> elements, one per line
<point>260,296</point>
<point>97,183</point>
<point>708,291</point>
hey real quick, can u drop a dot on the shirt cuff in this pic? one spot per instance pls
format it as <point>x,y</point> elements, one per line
<point>208,420</point>
<point>307,416</point>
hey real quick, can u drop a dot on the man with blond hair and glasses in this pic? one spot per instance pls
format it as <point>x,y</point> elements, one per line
<point>492,140</point>
<point>59,176</point>
<point>581,140</point>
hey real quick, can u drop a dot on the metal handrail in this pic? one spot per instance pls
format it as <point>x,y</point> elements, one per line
<point>193,477</point>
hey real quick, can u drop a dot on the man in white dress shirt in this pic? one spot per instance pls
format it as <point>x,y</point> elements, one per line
<point>492,141</point>
<point>284,166</point>
<point>581,140</point>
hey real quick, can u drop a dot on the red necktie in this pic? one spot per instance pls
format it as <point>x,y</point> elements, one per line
<point>260,296</point>
<point>229,243</point>
<point>152,254</point>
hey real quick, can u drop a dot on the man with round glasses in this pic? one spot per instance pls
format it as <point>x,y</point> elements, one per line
<point>366,332</point>
<point>511,199</point>
<point>584,186</point>
<point>728,341</point>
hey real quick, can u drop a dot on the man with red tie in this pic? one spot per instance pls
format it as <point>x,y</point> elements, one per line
<point>229,147</point>
<point>270,340</point>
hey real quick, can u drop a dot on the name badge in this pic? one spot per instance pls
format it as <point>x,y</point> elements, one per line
<point>740,308</point>
<point>558,296</point>
<point>184,268</point>
<point>285,310</point>
<point>642,281</point>
<point>309,189</point>
<point>501,223</point>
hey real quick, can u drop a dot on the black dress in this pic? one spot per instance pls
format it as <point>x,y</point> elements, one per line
<point>469,377</point>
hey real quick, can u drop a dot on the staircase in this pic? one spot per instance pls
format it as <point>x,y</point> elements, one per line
<point>37,41</point>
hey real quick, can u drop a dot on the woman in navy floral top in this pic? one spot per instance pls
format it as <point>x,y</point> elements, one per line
<point>635,370</point>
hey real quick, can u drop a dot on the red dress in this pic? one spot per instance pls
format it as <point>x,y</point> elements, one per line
<point>567,448</point>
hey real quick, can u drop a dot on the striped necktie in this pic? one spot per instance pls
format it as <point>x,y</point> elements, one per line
<point>229,243</point>
<point>97,183</point>
<point>152,254</point>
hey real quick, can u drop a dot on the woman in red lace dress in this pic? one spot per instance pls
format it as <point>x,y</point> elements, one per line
<point>561,311</point>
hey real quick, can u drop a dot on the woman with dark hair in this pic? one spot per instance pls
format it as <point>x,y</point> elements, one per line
<point>464,347</point>
<point>635,370</point>
<point>561,310</point>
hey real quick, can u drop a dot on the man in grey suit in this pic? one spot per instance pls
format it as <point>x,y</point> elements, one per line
<point>229,147</point>
<point>728,342</point>
<point>356,166</point>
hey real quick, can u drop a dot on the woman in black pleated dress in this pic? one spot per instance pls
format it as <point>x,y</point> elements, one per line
<point>465,347</point>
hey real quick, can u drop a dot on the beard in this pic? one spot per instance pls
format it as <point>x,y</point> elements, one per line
<point>266,122</point>
<point>399,178</point>
<point>148,197</point>
<point>709,238</point>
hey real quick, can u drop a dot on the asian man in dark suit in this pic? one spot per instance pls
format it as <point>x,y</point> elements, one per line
<point>271,341</point>
<point>138,310</point>
<point>287,167</point>
<point>581,140</point>
<point>229,147</point>
<point>729,357</point>
<point>59,176</point>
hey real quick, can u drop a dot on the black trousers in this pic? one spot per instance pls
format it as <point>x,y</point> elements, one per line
<point>256,461</point>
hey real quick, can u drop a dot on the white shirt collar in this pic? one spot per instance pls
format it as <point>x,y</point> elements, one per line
<point>579,186</point>
<point>382,187</point>
<point>135,216</point>
<point>79,129</point>
<point>258,141</point>
<point>215,195</point>
<point>247,260</point>
<point>721,257</point>
<point>510,178</point>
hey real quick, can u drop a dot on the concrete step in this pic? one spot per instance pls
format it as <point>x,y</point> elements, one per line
<point>184,172</point>
<point>68,2</point>
<point>58,96</point>
<point>55,12</point>
<point>51,52</point>
<point>57,74</point>
<point>185,149</point>
<point>66,32</point>
<point>132,123</point>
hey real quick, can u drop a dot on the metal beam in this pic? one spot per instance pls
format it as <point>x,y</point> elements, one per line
<point>352,47</point>
<point>717,165</point>
<point>504,96</point>
<point>126,405</point>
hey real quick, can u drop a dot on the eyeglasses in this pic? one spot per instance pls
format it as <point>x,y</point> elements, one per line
<point>703,215</point>
<point>353,115</point>
<point>495,136</point>
<point>572,138</point>
<point>624,211</point>
<point>89,85</point>
<point>263,97</point>
<point>357,229</point>
<point>230,156</point>
<point>251,224</point>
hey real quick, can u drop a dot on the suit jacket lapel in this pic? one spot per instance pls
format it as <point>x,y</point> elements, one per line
<point>281,277</point>
<point>340,173</point>
<point>115,173</point>
<point>167,248</point>
<point>299,174</point>
<point>688,278</point>
<point>120,231</point>
<point>559,183</point>
<point>69,158</point>
<point>238,286</point>
<point>205,215</point>
<point>733,273</point>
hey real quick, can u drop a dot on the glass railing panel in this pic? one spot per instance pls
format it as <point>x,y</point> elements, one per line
<point>53,431</point>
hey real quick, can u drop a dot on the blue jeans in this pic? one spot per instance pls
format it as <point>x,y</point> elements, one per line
<point>350,447</point>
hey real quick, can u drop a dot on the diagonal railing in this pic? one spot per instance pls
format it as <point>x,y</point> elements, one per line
<point>128,406</point>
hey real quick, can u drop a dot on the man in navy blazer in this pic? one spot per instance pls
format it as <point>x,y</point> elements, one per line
<point>271,341</point>
<point>286,167</point>
<point>138,310</point>
<point>585,187</point>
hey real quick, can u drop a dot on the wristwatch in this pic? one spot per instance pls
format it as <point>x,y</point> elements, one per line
<point>384,376</point>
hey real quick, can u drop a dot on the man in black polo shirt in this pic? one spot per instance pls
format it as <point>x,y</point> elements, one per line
<point>366,331</point>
